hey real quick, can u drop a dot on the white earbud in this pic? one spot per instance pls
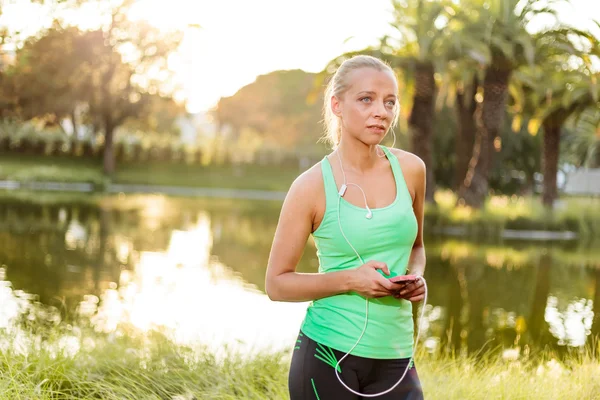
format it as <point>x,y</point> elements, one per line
<point>369,213</point>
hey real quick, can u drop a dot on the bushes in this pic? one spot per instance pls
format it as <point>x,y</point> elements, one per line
<point>26,138</point>
<point>578,215</point>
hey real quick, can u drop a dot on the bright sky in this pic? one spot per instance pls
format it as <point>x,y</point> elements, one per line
<point>240,39</point>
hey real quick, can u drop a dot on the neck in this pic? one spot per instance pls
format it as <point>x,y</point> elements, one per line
<point>357,156</point>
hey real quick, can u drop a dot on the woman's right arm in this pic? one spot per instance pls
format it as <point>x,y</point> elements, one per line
<point>283,283</point>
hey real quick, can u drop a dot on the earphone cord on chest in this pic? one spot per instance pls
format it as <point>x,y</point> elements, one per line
<point>369,215</point>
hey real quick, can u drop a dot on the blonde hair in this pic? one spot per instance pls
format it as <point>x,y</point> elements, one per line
<point>339,84</point>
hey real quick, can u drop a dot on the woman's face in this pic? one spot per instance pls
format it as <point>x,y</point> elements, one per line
<point>367,108</point>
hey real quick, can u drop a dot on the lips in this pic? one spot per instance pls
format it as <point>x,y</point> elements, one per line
<point>377,128</point>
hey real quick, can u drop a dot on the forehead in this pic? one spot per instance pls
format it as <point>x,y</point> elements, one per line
<point>372,80</point>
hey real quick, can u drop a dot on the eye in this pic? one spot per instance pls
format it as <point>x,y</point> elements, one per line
<point>366,99</point>
<point>391,103</point>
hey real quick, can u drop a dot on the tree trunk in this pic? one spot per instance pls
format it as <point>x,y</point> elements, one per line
<point>550,152</point>
<point>109,154</point>
<point>489,120</point>
<point>75,126</point>
<point>537,320</point>
<point>465,134</point>
<point>596,305</point>
<point>421,119</point>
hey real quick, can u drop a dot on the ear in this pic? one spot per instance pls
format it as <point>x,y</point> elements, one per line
<point>336,107</point>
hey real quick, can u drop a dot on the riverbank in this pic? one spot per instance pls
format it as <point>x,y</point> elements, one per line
<point>79,365</point>
<point>503,217</point>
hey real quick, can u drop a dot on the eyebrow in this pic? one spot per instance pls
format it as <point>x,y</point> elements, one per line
<point>373,93</point>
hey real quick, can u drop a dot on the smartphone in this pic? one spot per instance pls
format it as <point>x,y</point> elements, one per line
<point>404,279</point>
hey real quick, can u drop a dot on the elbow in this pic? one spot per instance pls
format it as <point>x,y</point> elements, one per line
<point>271,289</point>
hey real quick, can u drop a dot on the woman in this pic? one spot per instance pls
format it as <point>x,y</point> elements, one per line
<point>363,204</point>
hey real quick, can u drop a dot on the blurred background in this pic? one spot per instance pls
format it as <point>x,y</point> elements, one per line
<point>146,147</point>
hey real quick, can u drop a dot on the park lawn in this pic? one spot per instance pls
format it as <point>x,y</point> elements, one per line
<point>27,168</point>
<point>150,366</point>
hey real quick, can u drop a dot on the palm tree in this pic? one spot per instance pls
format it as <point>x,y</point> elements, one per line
<point>582,144</point>
<point>422,25</point>
<point>561,93</point>
<point>418,53</point>
<point>575,96</point>
<point>501,24</point>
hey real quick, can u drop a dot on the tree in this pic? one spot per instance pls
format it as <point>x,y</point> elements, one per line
<point>48,75</point>
<point>119,89</point>
<point>159,116</point>
<point>582,140</point>
<point>502,26</point>
<point>561,87</point>
<point>420,50</point>
<point>114,71</point>
<point>288,116</point>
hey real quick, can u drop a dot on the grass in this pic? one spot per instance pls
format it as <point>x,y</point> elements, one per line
<point>26,168</point>
<point>150,366</point>
<point>446,377</point>
<point>134,367</point>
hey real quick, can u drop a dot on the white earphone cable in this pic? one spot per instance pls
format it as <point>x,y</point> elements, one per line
<point>341,192</point>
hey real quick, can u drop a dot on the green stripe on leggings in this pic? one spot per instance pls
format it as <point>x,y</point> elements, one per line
<point>315,388</point>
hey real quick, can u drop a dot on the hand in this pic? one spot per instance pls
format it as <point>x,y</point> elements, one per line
<point>412,291</point>
<point>370,283</point>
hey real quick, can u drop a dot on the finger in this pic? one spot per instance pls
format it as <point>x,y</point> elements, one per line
<point>381,266</point>
<point>380,293</point>
<point>385,268</point>
<point>398,286</point>
<point>388,285</point>
<point>415,292</point>
<point>412,287</point>
<point>416,298</point>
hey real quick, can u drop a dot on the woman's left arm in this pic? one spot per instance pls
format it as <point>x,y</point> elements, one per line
<point>416,263</point>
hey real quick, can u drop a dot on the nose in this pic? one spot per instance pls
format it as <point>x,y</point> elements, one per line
<point>379,111</point>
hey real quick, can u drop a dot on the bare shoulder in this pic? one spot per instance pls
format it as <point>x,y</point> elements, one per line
<point>413,169</point>
<point>410,162</point>
<point>307,189</point>
<point>310,182</point>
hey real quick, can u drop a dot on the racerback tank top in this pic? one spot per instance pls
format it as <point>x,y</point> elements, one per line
<point>337,321</point>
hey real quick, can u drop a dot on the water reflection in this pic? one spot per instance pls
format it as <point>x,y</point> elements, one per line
<point>195,269</point>
<point>194,297</point>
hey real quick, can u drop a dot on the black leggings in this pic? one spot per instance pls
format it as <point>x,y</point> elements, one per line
<point>312,375</point>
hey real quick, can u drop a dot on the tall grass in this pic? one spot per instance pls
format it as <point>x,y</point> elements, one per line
<point>150,366</point>
<point>496,377</point>
<point>81,364</point>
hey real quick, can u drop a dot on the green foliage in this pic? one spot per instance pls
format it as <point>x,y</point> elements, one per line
<point>581,140</point>
<point>580,216</point>
<point>99,77</point>
<point>280,108</point>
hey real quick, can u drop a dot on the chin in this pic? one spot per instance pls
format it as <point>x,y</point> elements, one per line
<point>373,140</point>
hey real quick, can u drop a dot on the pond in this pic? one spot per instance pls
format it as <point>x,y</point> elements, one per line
<point>195,268</point>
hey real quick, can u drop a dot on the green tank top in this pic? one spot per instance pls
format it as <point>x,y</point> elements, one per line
<point>338,321</point>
